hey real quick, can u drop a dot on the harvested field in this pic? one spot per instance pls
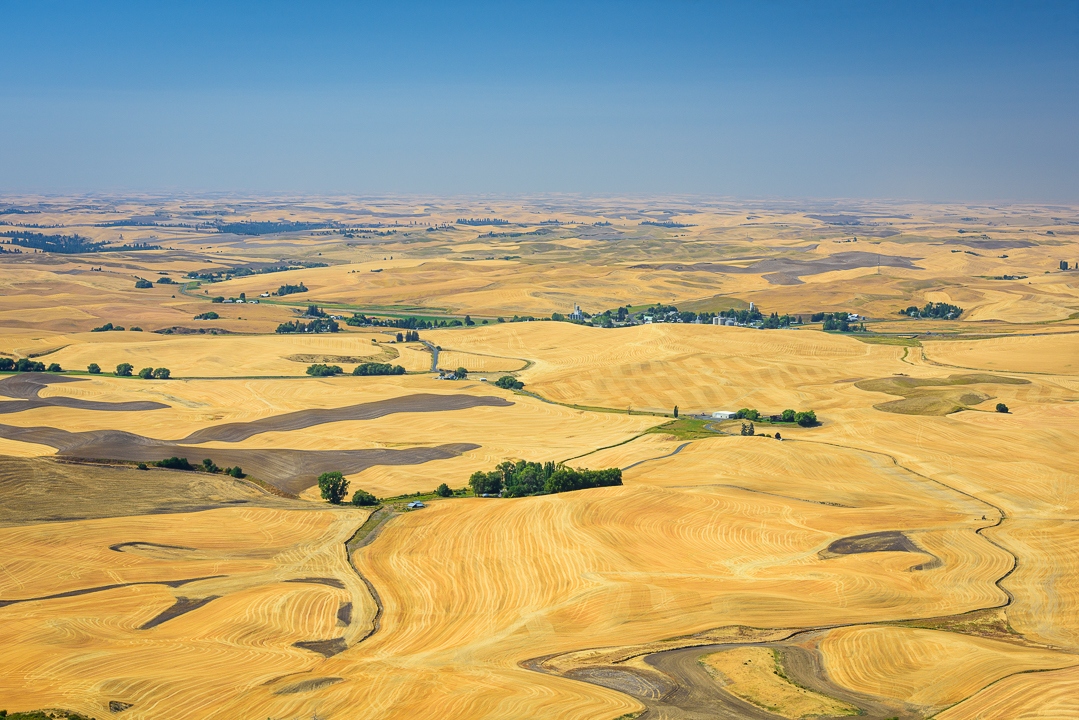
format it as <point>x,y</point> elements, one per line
<point>47,490</point>
<point>898,563</point>
<point>292,471</point>
<point>926,667</point>
<point>754,674</point>
<point>28,386</point>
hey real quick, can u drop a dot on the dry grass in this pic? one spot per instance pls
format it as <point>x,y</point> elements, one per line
<point>754,674</point>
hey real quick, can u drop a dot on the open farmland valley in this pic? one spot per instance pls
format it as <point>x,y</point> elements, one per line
<point>557,459</point>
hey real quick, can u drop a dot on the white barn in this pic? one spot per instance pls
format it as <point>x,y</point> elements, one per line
<point>723,414</point>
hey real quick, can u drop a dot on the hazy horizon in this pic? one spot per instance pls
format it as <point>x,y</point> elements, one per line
<point>958,103</point>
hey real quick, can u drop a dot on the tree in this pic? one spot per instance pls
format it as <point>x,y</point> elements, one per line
<point>208,466</point>
<point>124,369</point>
<point>243,296</point>
<point>443,490</point>
<point>55,367</point>
<point>93,368</point>
<point>508,382</point>
<point>788,415</point>
<point>235,472</point>
<point>468,320</point>
<point>1002,408</point>
<point>333,486</point>
<point>6,364</point>
<point>400,337</point>
<point>460,373</point>
<point>485,483</point>
<point>218,299</point>
<point>175,463</point>
<point>146,373</point>
<point>378,369</point>
<point>361,497</point>
<point>748,414</point>
<point>320,370</point>
<point>806,419</point>
<point>676,411</point>
<point>748,429</point>
<point>778,436</point>
<point>161,373</point>
<point>143,284</point>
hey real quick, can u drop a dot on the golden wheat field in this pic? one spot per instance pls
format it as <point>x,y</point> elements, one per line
<point>911,555</point>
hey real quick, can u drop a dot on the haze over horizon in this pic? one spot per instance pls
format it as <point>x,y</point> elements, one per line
<point>947,102</point>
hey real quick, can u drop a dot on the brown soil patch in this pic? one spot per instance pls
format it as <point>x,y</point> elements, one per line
<point>307,685</point>
<point>27,386</point>
<point>787,271</point>
<point>31,490</point>
<point>326,648</point>
<point>292,471</point>
<point>420,402</point>
<point>180,607</point>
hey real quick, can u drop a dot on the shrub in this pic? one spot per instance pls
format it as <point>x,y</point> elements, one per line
<point>207,316</point>
<point>146,373</point>
<point>161,373</point>
<point>175,463</point>
<point>218,299</point>
<point>333,486</point>
<point>320,370</point>
<point>55,367</point>
<point>93,368</point>
<point>142,466</point>
<point>208,466</point>
<point>363,498</point>
<point>143,284</point>
<point>124,369</point>
<point>1002,408</point>
<point>443,490</point>
<point>135,328</point>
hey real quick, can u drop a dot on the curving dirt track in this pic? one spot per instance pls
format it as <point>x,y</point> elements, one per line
<point>28,386</point>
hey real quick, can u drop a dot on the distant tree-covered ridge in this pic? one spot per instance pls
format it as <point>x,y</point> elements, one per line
<point>532,478</point>
<point>481,221</point>
<point>68,244</point>
<point>934,310</point>
<point>665,224</point>
<point>267,228</point>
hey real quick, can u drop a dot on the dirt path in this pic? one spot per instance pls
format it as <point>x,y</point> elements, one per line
<point>674,452</point>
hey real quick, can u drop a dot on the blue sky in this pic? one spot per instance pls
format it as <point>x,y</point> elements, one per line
<point>924,100</point>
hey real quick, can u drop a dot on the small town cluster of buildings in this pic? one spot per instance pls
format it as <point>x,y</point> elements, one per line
<point>238,301</point>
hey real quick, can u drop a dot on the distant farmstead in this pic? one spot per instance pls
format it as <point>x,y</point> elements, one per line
<point>723,414</point>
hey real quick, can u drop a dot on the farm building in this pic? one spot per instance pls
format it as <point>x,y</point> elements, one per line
<point>723,414</point>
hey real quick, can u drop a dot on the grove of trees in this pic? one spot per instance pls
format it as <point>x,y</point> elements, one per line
<point>287,289</point>
<point>805,418</point>
<point>320,370</point>
<point>315,326</point>
<point>532,478</point>
<point>933,310</point>
<point>378,369</point>
<point>508,382</point>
